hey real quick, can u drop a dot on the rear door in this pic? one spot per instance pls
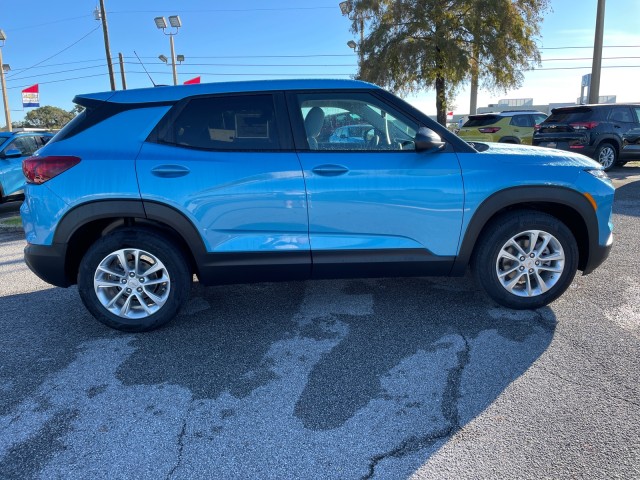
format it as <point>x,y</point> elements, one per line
<point>376,207</point>
<point>227,163</point>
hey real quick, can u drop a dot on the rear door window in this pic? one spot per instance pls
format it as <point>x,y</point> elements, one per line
<point>238,122</point>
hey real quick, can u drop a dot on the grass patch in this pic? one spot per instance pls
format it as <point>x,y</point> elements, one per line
<point>12,222</point>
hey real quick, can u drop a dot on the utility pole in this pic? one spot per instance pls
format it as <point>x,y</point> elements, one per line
<point>107,48</point>
<point>5,99</point>
<point>594,89</point>
<point>122,74</point>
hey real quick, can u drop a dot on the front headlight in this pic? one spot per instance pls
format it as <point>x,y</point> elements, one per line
<point>597,172</point>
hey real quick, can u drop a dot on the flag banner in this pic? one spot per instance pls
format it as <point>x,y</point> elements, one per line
<point>31,96</point>
<point>192,81</point>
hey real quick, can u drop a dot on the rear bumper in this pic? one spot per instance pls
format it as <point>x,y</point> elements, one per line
<point>48,263</point>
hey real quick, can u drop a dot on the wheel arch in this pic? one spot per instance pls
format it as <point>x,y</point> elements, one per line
<point>569,206</point>
<point>84,224</point>
<point>617,144</point>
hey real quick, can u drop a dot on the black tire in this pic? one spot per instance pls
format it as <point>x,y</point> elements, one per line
<point>136,307</point>
<point>606,155</point>
<point>526,290</point>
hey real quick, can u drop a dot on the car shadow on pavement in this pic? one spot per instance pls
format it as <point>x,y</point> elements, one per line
<point>347,377</point>
<point>627,198</point>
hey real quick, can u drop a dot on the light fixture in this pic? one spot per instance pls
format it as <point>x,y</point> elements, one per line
<point>3,37</point>
<point>345,8</point>
<point>352,44</point>
<point>163,58</point>
<point>6,67</point>
<point>180,58</point>
<point>174,21</point>
<point>161,22</point>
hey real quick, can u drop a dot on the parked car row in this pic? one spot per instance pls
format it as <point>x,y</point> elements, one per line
<point>608,133</point>
<point>241,182</point>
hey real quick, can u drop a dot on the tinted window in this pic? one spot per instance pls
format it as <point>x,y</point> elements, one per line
<point>621,114</point>
<point>521,121</point>
<point>246,122</point>
<point>571,115</point>
<point>637,112</point>
<point>481,120</point>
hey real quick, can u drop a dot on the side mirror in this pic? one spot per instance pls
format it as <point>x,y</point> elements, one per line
<point>12,153</point>
<point>428,141</point>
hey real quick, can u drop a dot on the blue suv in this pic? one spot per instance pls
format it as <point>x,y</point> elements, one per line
<point>15,147</point>
<point>233,182</point>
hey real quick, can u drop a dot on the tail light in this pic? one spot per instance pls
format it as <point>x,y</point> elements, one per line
<point>42,169</point>
<point>584,125</point>
<point>489,129</point>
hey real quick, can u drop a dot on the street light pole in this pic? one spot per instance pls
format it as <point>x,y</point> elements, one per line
<point>5,99</point>
<point>174,21</point>
<point>594,89</point>
<point>173,61</point>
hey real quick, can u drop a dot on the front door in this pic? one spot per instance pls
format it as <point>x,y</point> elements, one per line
<point>374,202</point>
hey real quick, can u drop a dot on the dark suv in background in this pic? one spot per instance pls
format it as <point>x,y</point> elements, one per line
<point>610,134</point>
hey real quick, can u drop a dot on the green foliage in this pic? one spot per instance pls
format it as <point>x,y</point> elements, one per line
<point>413,45</point>
<point>47,117</point>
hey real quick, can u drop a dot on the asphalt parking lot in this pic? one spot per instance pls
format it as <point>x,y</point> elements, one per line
<point>391,379</point>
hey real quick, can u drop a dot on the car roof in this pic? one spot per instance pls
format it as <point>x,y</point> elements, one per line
<point>15,134</point>
<point>597,105</point>
<point>174,93</point>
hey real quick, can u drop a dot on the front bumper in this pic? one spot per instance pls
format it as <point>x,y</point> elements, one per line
<point>598,255</point>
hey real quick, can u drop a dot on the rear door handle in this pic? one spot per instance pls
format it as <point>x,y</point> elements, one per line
<point>330,170</point>
<point>170,171</point>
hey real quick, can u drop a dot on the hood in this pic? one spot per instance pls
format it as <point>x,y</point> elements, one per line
<point>527,155</point>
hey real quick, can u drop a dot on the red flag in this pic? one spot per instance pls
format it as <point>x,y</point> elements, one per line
<point>192,81</point>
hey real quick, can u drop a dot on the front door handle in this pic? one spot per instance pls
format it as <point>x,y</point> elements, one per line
<point>170,171</point>
<point>330,170</point>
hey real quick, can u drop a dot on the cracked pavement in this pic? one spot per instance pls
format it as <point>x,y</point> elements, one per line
<point>350,379</point>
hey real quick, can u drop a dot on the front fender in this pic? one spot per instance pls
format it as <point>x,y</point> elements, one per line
<point>531,197</point>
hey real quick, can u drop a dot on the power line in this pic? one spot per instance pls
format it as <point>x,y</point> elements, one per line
<point>56,54</point>
<point>60,71</point>
<point>230,10</point>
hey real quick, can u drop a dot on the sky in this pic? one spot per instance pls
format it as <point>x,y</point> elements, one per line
<point>60,46</point>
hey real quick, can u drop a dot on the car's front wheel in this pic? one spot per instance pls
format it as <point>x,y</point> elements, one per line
<point>134,280</point>
<point>525,259</point>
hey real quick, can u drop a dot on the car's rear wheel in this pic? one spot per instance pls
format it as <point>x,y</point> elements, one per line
<point>606,155</point>
<point>134,280</point>
<point>525,259</point>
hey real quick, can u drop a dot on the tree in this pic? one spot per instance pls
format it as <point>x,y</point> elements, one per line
<point>47,117</point>
<point>412,45</point>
